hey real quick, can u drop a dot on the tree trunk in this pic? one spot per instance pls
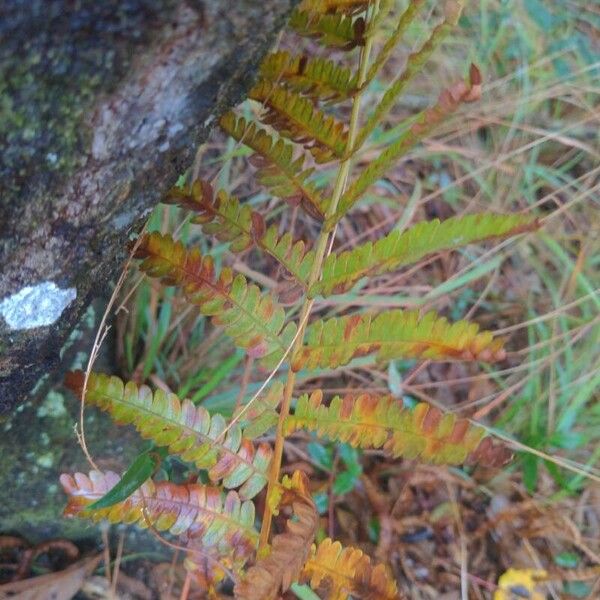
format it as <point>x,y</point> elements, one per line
<point>102,106</point>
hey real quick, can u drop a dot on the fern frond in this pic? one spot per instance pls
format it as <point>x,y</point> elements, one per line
<point>336,572</point>
<point>214,521</point>
<point>253,320</point>
<point>319,78</point>
<point>337,31</point>
<point>394,334</point>
<point>348,7</point>
<point>342,271</point>
<point>369,421</point>
<point>296,117</point>
<point>414,64</point>
<point>449,101</point>
<point>220,215</point>
<point>261,415</point>
<point>185,429</point>
<point>274,574</point>
<point>229,220</point>
<point>281,173</point>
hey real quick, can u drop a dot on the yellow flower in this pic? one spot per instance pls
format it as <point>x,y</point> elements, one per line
<point>519,583</point>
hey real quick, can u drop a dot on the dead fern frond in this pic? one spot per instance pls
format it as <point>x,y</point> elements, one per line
<point>283,565</point>
<point>336,572</point>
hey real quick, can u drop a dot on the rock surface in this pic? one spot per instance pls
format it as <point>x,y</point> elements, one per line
<point>102,106</point>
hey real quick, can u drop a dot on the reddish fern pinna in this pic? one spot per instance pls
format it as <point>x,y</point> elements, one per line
<point>296,132</point>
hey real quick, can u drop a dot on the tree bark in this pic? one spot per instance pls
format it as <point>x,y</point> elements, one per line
<point>102,106</point>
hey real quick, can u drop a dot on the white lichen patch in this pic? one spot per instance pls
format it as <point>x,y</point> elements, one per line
<point>53,406</point>
<point>45,460</point>
<point>36,305</point>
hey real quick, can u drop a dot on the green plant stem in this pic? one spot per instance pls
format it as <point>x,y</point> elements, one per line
<point>315,274</point>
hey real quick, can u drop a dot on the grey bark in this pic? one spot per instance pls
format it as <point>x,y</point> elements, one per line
<point>102,105</point>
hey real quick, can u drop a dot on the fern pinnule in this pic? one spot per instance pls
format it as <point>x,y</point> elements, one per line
<point>338,31</point>
<point>258,417</point>
<point>278,170</point>
<point>320,78</point>
<point>336,572</point>
<point>424,432</point>
<point>394,334</point>
<point>274,574</point>
<point>187,430</point>
<point>341,271</point>
<point>296,117</point>
<point>220,215</point>
<point>201,512</point>
<point>229,220</point>
<point>424,124</point>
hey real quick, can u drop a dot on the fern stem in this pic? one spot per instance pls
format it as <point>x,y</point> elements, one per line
<point>315,274</point>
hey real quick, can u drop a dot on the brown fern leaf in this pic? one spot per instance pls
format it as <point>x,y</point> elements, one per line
<point>335,573</point>
<point>229,220</point>
<point>274,574</point>
<point>278,170</point>
<point>424,432</point>
<point>394,334</point>
<point>253,320</point>
<point>297,118</point>
<point>222,524</point>
<point>187,430</point>
<point>338,31</point>
<point>317,77</point>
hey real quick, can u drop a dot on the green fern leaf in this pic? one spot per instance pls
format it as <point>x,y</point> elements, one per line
<point>278,170</point>
<point>414,64</point>
<point>229,220</point>
<point>185,429</point>
<point>296,117</point>
<point>253,320</point>
<point>394,334</point>
<point>424,432</point>
<point>342,271</point>
<point>319,78</point>
<point>337,31</point>
<point>426,122</point>
<point>223,524</point>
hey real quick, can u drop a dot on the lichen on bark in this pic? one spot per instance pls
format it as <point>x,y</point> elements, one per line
<point>102,105</point>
